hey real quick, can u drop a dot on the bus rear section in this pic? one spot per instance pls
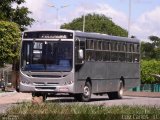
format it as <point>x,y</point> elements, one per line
<point>110,65</point>
<point>47,62</point>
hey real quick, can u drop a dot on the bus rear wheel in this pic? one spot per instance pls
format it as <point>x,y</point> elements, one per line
<point>86,95</point>
<point>118,94</point>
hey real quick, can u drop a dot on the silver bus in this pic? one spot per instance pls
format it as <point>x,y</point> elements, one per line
<point>78,64</point>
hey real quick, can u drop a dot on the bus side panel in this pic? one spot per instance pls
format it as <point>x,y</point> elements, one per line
<point>105,76</point>
<point>130,72</point>
<point>98,73</point>
<point>132,75</point>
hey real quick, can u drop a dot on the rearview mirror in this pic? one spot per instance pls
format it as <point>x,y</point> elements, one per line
<point>80,54</point>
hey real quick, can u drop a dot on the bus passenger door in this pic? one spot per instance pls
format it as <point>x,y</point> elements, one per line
<point>79,63</point>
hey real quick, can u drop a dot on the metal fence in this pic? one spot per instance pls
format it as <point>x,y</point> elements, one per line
<point>147,88</point>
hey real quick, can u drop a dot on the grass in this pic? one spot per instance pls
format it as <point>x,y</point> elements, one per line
<point>57,111</point>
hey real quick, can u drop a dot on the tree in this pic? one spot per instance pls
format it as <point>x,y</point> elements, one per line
<point>147,50</point>
<point>155,41</point>
<point>151,50</point>
<point>96,23</point>
<point>9,42</point>
<point>18,15</point>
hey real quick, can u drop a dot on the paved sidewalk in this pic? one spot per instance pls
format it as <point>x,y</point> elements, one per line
<point>8,99</point>
<point>14,97</point>
<point>2,94</point>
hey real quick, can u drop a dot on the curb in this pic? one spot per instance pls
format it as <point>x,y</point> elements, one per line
<point>142,94</point>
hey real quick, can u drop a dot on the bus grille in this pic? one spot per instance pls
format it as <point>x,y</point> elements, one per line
<point>52,88</point>
<point>44,84</point>
<point>49,76</point>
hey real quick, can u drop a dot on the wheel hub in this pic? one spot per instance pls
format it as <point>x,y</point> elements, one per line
<point>121,89</point>
<point>86,91</point>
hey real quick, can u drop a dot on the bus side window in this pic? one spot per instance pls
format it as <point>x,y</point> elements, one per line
<point>121,51</point>
<point>135,53</point>
<point>114,54</point>
<point>89,44</point>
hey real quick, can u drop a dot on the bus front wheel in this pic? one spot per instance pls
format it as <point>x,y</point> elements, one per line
<point>118,94</point>
<point>86,95</point>
<point>44,96</point>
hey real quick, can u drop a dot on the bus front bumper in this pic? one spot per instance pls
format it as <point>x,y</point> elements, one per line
<point>49,89</point>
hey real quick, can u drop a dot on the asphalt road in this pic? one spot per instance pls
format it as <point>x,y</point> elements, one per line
<point>103,100</point>
<point>7,100</point>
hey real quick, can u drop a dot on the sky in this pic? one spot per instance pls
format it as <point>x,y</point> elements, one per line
<point>145,14</point>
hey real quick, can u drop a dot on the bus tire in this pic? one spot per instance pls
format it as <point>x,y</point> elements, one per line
<point>86,95</point>
<point>44,97</point>
<point>17,89</point>
<point>36,94</point>
<point>118,94</point>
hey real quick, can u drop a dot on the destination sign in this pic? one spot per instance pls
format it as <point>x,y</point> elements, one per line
<point>48,35</point>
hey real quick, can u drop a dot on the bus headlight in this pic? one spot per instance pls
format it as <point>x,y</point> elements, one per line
<point>25,82</point>
<point>68,82</point>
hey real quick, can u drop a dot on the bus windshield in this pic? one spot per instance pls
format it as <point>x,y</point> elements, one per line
<point>56,56</point>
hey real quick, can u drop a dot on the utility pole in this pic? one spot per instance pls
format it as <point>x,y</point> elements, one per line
<point>129,18</point>
<point>84,22</point>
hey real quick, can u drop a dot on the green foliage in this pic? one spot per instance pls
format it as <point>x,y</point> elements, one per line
<point>155,41</point>
<point>148,69</point>
<point>57,111</point>
<point>96,23</point>
<point>18,15</point>
<point>151,50</point>
<point>147,50</point>
<point>9,41</point>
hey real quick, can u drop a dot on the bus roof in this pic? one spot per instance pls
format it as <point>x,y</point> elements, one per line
<point>43,30</point>
<point>91,35</point>
<point>105,36</point>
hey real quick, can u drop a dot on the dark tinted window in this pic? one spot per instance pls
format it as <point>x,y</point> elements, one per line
<point>106,45</point>
<point>121,46</point>
<point>47,56</point>
<point>114,46</point>
<point>89,44</point>
<point>105,50</point>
